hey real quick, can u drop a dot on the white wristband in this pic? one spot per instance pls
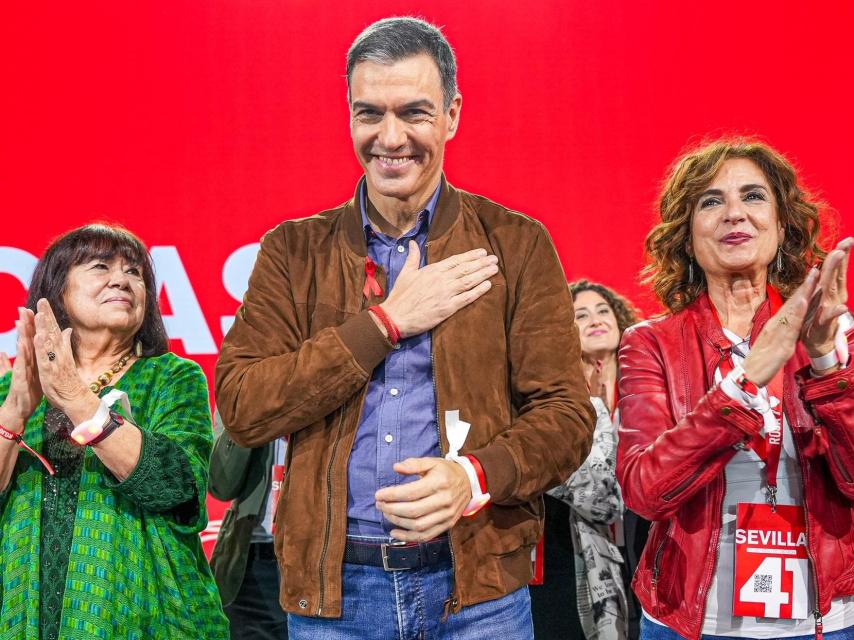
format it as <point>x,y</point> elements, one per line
<point>87,431</point>
<point>826,361</point>
<point>478,498</point>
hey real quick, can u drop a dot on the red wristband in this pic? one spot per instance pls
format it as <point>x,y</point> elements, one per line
<point>390,326</point>
<point>478,469</point>
<point>746,385</point>
<point>19,438</point>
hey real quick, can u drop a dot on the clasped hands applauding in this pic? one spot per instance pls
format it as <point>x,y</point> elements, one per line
<point>44,366</point>
<point>810,315</point>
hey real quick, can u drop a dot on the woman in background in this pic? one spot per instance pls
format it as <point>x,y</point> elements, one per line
<point>583,592</point>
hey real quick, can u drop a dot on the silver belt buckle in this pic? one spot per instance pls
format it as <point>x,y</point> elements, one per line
<point>384,551</point>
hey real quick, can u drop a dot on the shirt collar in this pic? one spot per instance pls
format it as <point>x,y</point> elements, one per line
<point>429,209</point>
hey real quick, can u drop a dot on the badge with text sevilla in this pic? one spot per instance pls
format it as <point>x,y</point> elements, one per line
<point>771,563</point>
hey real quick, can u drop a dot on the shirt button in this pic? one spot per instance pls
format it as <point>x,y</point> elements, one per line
<point>841,384</point>
<point>389,438</point>
<point>394,391</point>
<point>725,411</point>
<point>400,248</point>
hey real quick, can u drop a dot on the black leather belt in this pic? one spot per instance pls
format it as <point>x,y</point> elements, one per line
<point>396,557</point>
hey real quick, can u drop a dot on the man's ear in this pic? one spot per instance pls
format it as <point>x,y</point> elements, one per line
<point>454,115</point>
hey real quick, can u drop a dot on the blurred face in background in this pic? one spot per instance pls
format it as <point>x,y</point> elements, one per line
<point>597,325</point>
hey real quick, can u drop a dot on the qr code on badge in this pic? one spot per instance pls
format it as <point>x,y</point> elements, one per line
<point>761,583</point>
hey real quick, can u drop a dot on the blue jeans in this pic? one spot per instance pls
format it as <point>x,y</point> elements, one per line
<point>404,605</point>
<point>652,631</point>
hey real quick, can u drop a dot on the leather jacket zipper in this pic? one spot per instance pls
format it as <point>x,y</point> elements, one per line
<point>835,455</point>
<point>328,524</point>
<point>656,569</point>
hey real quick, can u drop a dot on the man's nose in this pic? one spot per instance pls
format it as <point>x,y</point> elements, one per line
<point>392,134</point>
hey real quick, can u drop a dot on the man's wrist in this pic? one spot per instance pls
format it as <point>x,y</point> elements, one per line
<point>477,483</point>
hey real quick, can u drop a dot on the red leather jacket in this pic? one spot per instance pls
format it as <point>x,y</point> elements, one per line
<point>678,431</point>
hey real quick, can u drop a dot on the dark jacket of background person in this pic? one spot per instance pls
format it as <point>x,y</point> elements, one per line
<point>667,367</point>
<point>524,395</point>
<point>244,476</point>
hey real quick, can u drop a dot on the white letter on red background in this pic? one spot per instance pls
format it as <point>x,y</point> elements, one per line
<point>235,276</point>
<point>20,264</point>
<point>187,323</point>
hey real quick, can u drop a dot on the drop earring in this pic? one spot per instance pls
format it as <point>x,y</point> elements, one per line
<point>779,260</point>
<point>690,270</point>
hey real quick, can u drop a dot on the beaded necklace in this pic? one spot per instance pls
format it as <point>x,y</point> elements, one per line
<point>104,379</point>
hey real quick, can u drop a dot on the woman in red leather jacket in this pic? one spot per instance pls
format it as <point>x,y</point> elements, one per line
<point>736,410</point>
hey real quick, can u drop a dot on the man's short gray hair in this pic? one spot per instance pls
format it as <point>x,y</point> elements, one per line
<point>393,39</point>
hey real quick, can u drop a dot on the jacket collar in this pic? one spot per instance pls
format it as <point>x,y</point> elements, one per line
<point>447,212</point>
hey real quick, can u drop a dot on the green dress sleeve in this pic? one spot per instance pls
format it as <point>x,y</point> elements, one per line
<point>162,480</point>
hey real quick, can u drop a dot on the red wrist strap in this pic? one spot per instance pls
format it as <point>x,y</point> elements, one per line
<point>17,437</point>
<point>390,326</point>
<point>478,469</point>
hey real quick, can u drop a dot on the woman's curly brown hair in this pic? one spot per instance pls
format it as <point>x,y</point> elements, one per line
<point>625,312</point>
<point>667,244</point>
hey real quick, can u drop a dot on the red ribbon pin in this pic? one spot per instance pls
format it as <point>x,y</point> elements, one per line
<point>372,287</point>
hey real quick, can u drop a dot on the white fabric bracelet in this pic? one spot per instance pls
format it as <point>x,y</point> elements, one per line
<point>90,429</point>
<point>826,361</point>
<point>747,400</point>
<point>457,431</point>
<point>478,498</point>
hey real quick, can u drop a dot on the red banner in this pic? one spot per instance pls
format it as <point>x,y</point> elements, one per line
<point>200,125</point>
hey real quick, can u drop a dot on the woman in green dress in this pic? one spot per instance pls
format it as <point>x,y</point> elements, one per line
<point>104,446</point>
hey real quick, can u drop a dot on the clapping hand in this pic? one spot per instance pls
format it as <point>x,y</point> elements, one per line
<point>820,324</point>
<point>809,315</point>
<point>62,385</point>
<point>5,363</point>
<point>24,388</point>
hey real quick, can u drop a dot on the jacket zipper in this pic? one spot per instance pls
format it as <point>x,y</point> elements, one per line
<point>819,625</point>
<point>681,487</point>
<point>656,569</point>
<point>835,455</point>
<point>450,603</point>
<point>329,508</point>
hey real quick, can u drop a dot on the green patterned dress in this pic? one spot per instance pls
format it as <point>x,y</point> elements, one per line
<point>84,556</point>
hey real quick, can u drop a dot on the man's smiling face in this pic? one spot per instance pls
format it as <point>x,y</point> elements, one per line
<point>399,127</point>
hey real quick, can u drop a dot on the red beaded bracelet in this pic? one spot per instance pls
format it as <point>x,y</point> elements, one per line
<point>19,438</point>
<point>388,323</point>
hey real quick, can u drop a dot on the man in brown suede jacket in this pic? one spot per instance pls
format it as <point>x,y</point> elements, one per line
<point>417,345</point>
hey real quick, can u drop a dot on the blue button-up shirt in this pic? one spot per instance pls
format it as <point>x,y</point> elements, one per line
<point>399,415</point>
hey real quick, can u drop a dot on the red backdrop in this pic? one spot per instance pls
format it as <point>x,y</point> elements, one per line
<point>200,125</point>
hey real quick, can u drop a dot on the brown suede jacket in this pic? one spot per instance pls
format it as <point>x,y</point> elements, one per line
<point>301,351</point>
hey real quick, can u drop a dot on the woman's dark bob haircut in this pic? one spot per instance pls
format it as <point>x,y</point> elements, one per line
<point>98,242</point>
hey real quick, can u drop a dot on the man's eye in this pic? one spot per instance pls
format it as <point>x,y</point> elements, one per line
<point>368,116</point>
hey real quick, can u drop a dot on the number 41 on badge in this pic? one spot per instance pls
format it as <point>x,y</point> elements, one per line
<point>771,566</point>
